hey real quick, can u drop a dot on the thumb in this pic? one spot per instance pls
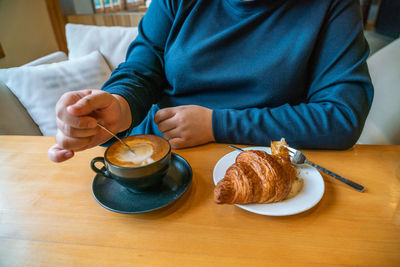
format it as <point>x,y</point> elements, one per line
<point>89,103</point>
<point>58,154</point>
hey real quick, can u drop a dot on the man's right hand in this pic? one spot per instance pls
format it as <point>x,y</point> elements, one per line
<point>78,113</point>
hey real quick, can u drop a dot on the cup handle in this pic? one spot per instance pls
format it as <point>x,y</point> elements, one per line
<point>97,170</point>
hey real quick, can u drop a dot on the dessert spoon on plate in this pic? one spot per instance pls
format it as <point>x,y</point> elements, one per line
<point>297,157</point>
<point>236,148</point>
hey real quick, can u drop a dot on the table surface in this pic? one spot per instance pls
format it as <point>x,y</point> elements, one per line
<point>48,216</point>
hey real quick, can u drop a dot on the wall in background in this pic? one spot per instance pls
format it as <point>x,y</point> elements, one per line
<point>76,7</point>
<point>25,32</point>
<point>83,7</point>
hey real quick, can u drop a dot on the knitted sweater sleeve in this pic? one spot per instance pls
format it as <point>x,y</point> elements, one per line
<point>141,77</point>
<point>339,96</point>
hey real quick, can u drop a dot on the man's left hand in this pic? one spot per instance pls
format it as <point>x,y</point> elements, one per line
<point>185,126</point>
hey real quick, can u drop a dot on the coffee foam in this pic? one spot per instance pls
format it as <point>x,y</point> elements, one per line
<point>147,148</point>
<point>142,156</point>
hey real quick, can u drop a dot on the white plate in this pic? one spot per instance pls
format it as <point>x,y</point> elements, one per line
<point>308,197</point>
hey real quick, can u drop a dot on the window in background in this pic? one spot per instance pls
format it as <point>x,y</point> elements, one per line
<point>104,6</point>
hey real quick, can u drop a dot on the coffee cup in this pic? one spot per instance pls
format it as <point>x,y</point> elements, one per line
<point>138,171</point>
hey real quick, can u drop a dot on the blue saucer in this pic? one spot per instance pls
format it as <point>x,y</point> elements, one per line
<point>115,197</point>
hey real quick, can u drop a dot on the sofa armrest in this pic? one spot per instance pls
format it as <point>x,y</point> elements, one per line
<point>48,59</point>
<point>14,119</point>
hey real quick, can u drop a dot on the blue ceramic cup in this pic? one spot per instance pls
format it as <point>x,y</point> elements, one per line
<point>140,171</point>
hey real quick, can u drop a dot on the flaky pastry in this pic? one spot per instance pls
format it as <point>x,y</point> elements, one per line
<point>258,177</point>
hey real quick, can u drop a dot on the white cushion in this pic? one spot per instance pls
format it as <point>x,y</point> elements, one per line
<point>38,88</point>
<point>111,41</point>
<point>51,58</point>
<point>383,123</point>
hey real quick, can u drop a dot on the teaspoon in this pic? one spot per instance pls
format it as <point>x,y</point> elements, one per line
<point>119,139</point>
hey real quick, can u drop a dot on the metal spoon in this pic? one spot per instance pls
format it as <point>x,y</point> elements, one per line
<point>125,144</point>
<point>235,147</point>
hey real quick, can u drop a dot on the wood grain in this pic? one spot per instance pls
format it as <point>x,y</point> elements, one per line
<point>2,54</point>
<point>127,19</point>
<point>48,216</point>
<point>58,23</point>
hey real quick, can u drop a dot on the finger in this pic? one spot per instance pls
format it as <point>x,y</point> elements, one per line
<point>177,143</point>
<point>57,154</point>
<point>167,125</point>
<point>164,114</point>
<point>73,121</point>
<point>174,133</point>
<point>72,97</point>
<point>69,99</point>
<point>71,143</point>
<point>76,132</point>
<point>92,102</point>
<point>84,122</point>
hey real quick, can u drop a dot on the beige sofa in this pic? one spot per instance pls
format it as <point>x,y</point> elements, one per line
<point>28,94</point>
<point>383,122</point>
<point>382,126</point>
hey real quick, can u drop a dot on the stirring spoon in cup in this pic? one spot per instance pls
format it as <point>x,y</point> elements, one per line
<point>119,139</point>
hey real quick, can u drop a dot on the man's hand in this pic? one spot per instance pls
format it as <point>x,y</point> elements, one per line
<point>78,113</point>
<point>185,126</point>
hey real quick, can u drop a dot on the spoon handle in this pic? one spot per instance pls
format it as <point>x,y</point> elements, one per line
<point>119,139</point>
<point>235,147</point>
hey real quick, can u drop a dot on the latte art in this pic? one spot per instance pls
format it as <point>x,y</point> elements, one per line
<point>147,148</point>
<point>142,156</point>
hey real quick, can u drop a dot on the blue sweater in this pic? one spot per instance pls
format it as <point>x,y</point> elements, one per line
<point>267,68</point>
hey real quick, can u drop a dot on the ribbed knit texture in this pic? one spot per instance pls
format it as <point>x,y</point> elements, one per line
<point>268,69</point>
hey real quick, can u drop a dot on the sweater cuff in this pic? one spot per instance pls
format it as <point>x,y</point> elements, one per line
<point>220,126</point>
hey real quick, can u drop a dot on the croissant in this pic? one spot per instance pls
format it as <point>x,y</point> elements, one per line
<point>258,177</point>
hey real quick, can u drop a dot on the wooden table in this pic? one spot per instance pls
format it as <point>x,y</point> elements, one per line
<point>48,216</point>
